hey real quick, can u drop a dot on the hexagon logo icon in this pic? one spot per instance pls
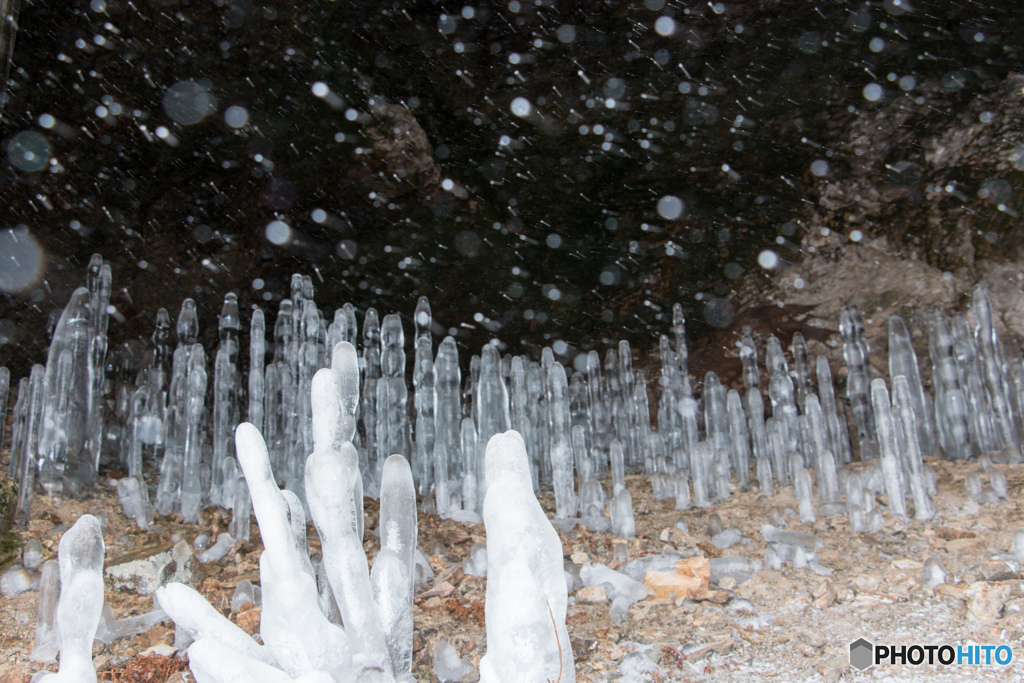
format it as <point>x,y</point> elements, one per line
<point>861,654</point>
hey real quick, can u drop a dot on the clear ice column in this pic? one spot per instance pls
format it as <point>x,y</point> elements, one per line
<point>858,384</point>
<point>903,361</point>
<point>561,451</point>
<point>892,473</point>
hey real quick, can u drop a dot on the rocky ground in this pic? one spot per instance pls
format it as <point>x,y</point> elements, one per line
<point>792,624</point>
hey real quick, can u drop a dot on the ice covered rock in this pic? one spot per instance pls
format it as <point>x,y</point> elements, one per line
<point>218,550</point>
<point>637,568</point>
<point>773,535</point>
<point>638,667</point>
<point>620,584</point>
<point>111,628</point>
<point>448,666</point>
<point>17,580</point>
<point>526,592</point>
<point>727,538</point>
<point>739,568</point>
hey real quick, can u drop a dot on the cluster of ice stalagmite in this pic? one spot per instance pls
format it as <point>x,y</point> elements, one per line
<point>354,623</point>
<point>784,426</point>
<point>57,437</point>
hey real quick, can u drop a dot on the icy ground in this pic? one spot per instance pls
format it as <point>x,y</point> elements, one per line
<point>796,626</point>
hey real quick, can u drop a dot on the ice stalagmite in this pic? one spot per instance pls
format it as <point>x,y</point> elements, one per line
<point>802,490</point>
<point>201,621</point>
<point>992,368</point>
<point>739,440</point>
<point>924,508</point>
<point>903,361</point>
<point>99,284</point>
<point>980,414</point>
<point>801,368</point>
<point>598,424</point>
<point>682,353</point>
<point>447,420</point>
<point>5,387</point>
<point>623,521</point>
<point>291,624</point>
<point>561,451</point>
<point>527,641</point>
<point>19,416</point>
<point>64,395</point>
<point>80,554</point>
<point>241,511</point>
<point>425,425</point>
<point>716,412</point>
<point>25,476</point>
<point>332,471</point>
<point>392,393</point>
<point>950,405</point>
<point>191,491</point>
<point>371,373</point>
<point>257,376</point>
<point>858,386</point>
<point>827,401</point>
<point>394,569</point>
<point>748,357</point>
<point>892,473</point>
<point>47,637</point>
<point>225,378</point>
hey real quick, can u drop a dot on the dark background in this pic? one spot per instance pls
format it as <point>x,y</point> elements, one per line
<point>551,209</point>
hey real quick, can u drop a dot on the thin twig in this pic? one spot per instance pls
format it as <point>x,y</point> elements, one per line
<point>557,641</point>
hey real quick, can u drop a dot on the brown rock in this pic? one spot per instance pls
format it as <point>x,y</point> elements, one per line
<point>591,595</point>
<point>987,599</point>
<point>824,595</point>
<point>699,567</point>
<point>666,584</point>
<point>865,583</point>
<point>965,546</point>
<point>249,621</point>
<point>441,590</point>
<point>954,590</point>
<point>947,533</point>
